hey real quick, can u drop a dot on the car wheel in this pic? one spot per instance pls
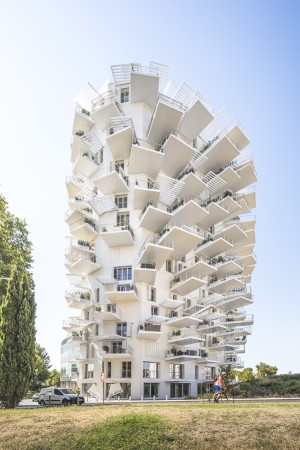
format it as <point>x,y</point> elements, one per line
<point>65,402</point>
<point>42,403</point>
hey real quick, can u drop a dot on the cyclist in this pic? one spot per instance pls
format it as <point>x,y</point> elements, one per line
<point>219,386</point>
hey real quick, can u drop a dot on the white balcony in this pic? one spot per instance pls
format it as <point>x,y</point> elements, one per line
<point>146,160</point>
<point>82,120</point>
<point>226,283</point>
<point>236,321</point>
<point>76,324</point>
<point>121,293</point>
<point>86,163</point>
<point>177,155</point>
<point>188,211</point>
<point>112,180</point>
<point>144,88</point>
<point>230,176</point>
<point>187,282</point>
<point>231,232</point>
<point>118,235</point>
<point>196,118</point>
<point>236,300</point>
<point>104,107</point>
<point>78,298</point>
<point>182,354</point>
<point>193,185</point>
<point>216,214</point>
<point>107,312</point>
<point>183,321</point>
<point>166,116</point>
<point>153,218</point>
<point>192,264</point>
<point>121,137</point>
<point>149,331</point>
<point>85,229</point>
<point>211,248</point>
<point>79,210</point>
<point>83,263</point>
<point>171,303</point>
<point>247,174</point>
<point>227,266</point>
<point>145,272</point>
<point>151,250</point>
<point>115,351</point>
<point>219,153</point>
<point>143,191</point>
<point>183,237</point>
<point>186,336</point>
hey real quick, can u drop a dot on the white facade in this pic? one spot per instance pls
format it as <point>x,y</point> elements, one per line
<point>160,253</point>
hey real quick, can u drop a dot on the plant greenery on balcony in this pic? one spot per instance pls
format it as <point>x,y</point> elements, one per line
<point>79,133</point>
<point>90,222</point>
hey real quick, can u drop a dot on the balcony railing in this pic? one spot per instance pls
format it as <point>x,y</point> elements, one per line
<point>180,352</point>
<point>120,226</point>
<point>116,349</point>
<point>149,326</point>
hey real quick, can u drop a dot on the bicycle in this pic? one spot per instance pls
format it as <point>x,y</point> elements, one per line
<point>220,397</point>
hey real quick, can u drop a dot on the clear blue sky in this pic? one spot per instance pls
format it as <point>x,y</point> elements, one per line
<point>237,54</point>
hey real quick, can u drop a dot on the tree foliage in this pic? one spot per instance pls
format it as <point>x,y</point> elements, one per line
<point>17,337</point>
<point>41,369</point>
<point>264,370</point>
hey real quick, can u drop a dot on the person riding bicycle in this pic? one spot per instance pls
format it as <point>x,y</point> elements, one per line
<point>219,386</point>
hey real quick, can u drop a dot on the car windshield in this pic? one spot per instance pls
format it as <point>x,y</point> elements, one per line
<point>67,391</point>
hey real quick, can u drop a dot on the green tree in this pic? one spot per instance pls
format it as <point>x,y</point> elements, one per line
<point>245,374</point>
<point>41,369</point>
<point>17,337</point>
<point>15,246</point>
<point>264,370</point>
<point>54,378</point>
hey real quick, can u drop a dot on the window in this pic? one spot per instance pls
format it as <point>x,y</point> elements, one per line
<point>120,165</point>
<point>125,287</point>
<point>122,329</point>
<point>169,265</point>
<point>154,310</point>
<point>179,389</point>
<point>97,330</point>
<point>97,295</point>
<point>150,390</point>
<point>89,371</point>
<point>100,156</point>
<point>126,369</point>
<point>174,296</point>
<point>196,373</point>
<point>117,347</point>
<point>176,371</point>
<point>150,369</point>
<point>108,369</point>
<point>123,273</point>
<point>152,294</point>
<point>122,219</point>
<point>121,201</point>
<point>125,95</point>
<point>188,303</point>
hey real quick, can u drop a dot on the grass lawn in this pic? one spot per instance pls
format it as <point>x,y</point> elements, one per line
<point>153,426</point>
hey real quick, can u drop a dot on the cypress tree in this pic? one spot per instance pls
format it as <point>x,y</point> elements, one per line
<point>17,337</point>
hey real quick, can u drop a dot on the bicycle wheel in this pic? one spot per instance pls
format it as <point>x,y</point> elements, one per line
<point>227,398</point>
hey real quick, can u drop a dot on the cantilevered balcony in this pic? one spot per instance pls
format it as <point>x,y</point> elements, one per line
<point>177,320</point>
<point>86,163</point>
<point>183,236</point>
<point>193,185</point>
<point>153,217</point>
<point>210,248</point>
<point>104,107</point>
<point>177,154</point>
<point>184,209</point>
<point>112,179</point>
<point>228,265</point>
<point>76,324</point>
<point>145,272</point>
<point>231,232</point>
<point>233,332</point>
<point>229,175</point>
<point>82,257</point>
<point>144,88</point>
<point>166,116</point>
<point>216,213</point>
<point>171,303</point>
<point>195,119</point>
<point>116,350</point>
<point>75,338</point>
<point>151,250</point>
<point>234,300</point>
<point>145,159</point>
<point>239,320</point>
<point>187,282</point>
<point>185,336</point>
<point>78,298</point>
<point>121,292</point>
<point>196,264</point>
<point>143,191</point>
<point>149,331</point>
<point>82,119</point>
<point>85,229</point>
<point>247,175</point>
<point>107,312</point>
<point>182,354</point>
<point>117,235</point>
<point>79,209</point>
<point>121,137</point>
<point>77,183</point>
<point>218,153</point>
<point>226,283</point>
<point>216,344</point>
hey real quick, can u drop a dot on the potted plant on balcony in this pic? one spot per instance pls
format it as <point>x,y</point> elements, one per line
<point>105,348</point>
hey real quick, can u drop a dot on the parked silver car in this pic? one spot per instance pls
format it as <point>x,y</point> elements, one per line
<point>35,397</point>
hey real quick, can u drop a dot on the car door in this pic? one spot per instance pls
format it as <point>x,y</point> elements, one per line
<point>56,397</point>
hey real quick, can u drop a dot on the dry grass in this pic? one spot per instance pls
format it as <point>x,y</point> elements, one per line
<point>185,427</point>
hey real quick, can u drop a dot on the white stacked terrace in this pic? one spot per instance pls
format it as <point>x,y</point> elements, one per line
<point>160,253</point>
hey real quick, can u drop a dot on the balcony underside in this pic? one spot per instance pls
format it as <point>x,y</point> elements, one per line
<point>144,88</point>
<point>83,265</point>
<point>85,165</point>
<point>190,213</point>
<point>145,161</point>
<point>193,185</point>
<point>121,296</point>
<point>186,286</point>
<point>219,154</point>
<point>78,303</point>
<point>149,335</point>
<point>165,118</point>
<point>111,183</point>
<point>183,241</point>
<point>107,315</point>
<point>226,285</point>
<point>195,120</point>
<point>221,347</point>
<point>232,207</point>
<point>82,122</point>
<point>185,340</point>
<point>145,275</point>
<point>216,215</point>
<point>141,196</point>
<point>235,302</point>
<point>103,115</point>
<point>85,232</point>
<point>123,356</point>
<point>202,267</point>
<point>182,358</point>
<point>120,143</point>
<point>182,322</point>
<point>230,176</point>
<point>177,155</point>
<point>233,233</point>
<point>156,253</point>
<point>228,268</point>
<point>117,238</point>
<point>171,303</point>
<point>154,219</point>
<point>248,177</point>
<point>213,248</point>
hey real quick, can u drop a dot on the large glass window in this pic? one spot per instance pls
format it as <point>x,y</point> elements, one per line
<point>123,273</point>
<point>152,294</point>
<point>125,95</point>
<point>169,265</point>
<point>176,371</point>
<point>122,329</point>
<point>121,201</point>
<point>179,390</point>
<point>150,390</point>
<point>122,219</point>
<point>150,369</point>
<point>126,369</point>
